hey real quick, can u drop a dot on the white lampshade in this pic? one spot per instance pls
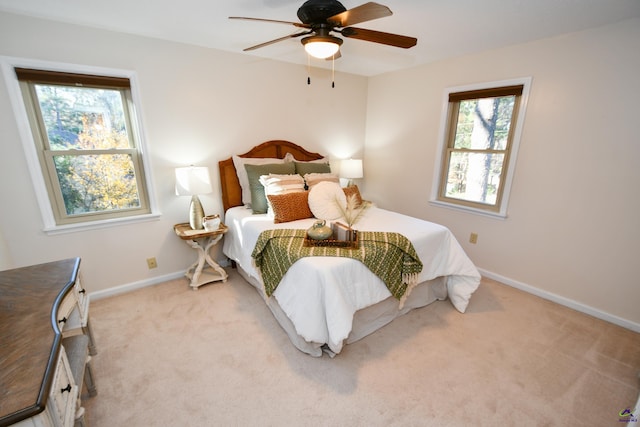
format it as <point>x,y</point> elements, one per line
<point>192,180</point>
<point>351,169</point>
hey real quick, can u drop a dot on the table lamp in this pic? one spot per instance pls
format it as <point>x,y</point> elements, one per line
<point>351,169</point>
<point>191,181</point>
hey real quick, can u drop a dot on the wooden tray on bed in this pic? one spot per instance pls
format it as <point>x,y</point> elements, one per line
<point>333,243</point>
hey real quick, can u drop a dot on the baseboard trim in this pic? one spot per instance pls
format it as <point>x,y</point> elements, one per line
<point>128,287</point>
<point>117,290</point>
<point>563,301</point>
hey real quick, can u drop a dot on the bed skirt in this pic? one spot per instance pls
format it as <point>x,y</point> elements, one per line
<point>365,321</point>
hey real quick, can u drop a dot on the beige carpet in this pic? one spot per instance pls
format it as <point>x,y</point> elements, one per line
<point>170,356</point>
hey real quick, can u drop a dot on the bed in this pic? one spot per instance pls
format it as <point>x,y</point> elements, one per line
<point>326,302</point>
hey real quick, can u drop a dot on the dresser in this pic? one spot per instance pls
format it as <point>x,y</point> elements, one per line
<point>45,345</point>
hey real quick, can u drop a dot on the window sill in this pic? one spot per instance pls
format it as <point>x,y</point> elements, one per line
<point>95,225</point>
<point>467,209</point>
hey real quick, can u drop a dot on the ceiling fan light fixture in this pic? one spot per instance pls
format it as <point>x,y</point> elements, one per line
<point>321,47</point>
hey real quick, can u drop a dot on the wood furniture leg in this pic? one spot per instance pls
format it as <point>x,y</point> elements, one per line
<point>200,271</point>
<point>205,269</point>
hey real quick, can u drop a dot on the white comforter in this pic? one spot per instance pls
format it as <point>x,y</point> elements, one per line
<point>321,294</point>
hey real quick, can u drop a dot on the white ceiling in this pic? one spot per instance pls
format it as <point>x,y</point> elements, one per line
<point>444,28</point>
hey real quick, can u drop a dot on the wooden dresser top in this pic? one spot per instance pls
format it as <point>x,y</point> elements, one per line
<point>29,334</point>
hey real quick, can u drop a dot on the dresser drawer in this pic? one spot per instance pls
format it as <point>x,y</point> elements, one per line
<point>64,392</point>
<point>73,313</point>
<point>82,299</point>
<point>65,309</point>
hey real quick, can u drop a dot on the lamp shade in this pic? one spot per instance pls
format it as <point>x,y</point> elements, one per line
<point>192,180</point>
<point>351,169</point>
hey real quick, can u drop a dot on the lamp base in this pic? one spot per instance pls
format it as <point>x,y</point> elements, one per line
<point>196,213</point>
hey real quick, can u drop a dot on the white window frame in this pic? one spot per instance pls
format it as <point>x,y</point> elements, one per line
<point>36,171</point>
<point>443,136</point>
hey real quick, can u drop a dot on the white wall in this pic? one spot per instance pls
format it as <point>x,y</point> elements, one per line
<point>572,230</point>
<point>199,106</point>
<point>5,257</point>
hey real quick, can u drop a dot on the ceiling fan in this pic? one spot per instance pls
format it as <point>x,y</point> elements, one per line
<point>319,18</point>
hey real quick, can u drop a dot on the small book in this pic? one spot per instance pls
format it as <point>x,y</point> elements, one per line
<point>343,232</point>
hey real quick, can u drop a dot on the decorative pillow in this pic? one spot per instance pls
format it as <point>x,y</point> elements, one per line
<point>290,206</point>
<point>312,179</point>
<point>353,190</point>
<point>280,184</point>
<point>324,198</point>
<point>239,163</point>
<point>254,172</point>
<point>304,168</point>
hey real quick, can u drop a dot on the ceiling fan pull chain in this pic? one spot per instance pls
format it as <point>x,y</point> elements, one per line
<point>333,71</point>
<point>308,69</point>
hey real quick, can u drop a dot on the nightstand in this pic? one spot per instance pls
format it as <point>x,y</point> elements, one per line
<point>204,270</point>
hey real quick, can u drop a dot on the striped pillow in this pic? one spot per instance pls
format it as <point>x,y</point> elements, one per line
<point>275,184</point>
<point>312,179</point>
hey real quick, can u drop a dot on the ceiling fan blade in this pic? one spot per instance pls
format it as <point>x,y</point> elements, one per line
<point>297,24</point>
<point>365,12</point>
<point>290,36</point>
<point>396,40</point>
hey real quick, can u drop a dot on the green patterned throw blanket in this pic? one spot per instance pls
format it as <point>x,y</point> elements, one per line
<point>390,256</point>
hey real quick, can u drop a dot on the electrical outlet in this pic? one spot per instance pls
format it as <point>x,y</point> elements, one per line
<point>473,238</point>
<point>151,263</point>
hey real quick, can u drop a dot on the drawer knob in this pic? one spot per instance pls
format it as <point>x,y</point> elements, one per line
<point>67,388</point>
<point>63,320</point>
<point>82,291</point>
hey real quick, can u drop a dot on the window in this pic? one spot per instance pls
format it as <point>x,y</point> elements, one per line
<point>480,138</point>
<point>87,145</point>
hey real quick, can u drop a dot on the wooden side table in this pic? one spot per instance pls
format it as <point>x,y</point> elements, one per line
<point>204,270</point>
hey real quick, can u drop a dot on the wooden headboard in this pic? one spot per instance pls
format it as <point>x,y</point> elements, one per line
<point>231,190</point>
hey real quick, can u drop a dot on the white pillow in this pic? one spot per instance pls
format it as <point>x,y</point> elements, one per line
<point>239,163</point>
<point>324,198</point>
<point>280,184</point>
